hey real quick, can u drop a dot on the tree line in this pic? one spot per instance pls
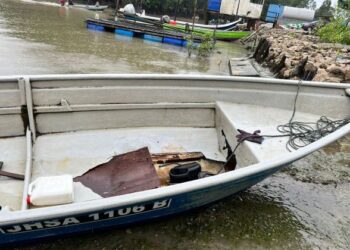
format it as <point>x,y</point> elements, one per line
<point>184,8</point>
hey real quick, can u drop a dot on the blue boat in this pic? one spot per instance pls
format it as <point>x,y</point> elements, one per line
<point>74,124</point>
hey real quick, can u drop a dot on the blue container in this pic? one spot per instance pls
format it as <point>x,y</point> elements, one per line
<point>214,5</point>
<point>153,38</point>
<point>124,32</point>
<point>274,12</point>
<point>174,41</point>
<point>99,28</point>
<point>95,27</point>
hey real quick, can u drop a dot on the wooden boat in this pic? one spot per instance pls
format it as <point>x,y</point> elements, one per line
<point>222,35</point>
<point>68,124</point>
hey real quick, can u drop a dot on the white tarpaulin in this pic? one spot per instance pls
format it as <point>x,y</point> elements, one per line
<point>298,14</point>
<point>242,8</point>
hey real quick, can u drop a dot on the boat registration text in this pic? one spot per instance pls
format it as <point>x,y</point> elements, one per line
<point>86,218</point>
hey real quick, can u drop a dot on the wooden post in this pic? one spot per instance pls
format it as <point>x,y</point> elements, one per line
<point>193,19</point>
<point>176,9</point>
<point>216,26</point>
<point>194,14</point>
<point>116,6</point>
<point>239,3</point>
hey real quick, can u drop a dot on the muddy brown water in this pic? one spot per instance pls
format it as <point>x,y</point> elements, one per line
<point>307,205</point>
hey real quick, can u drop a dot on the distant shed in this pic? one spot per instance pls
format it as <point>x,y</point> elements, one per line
<point>214,5</point>
<point>250,9</point>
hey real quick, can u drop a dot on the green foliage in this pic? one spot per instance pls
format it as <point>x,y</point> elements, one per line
<point>204,48</point>
<point>335,32</point>
<point>344,4</point>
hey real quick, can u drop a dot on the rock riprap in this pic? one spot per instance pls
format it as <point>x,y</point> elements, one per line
<point>293,55</point>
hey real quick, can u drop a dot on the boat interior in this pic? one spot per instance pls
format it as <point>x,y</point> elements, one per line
<point>56,126</point>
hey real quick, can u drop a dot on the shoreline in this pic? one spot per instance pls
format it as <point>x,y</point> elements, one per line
<point>294,55</point>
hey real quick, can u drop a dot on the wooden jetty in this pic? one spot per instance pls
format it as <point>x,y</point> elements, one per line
<point>142,30</point>
<point>242,67</point>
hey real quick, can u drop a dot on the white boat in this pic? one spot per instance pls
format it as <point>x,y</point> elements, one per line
<point>226,26</point>
<point>56,125</point>
<point>89,7</point>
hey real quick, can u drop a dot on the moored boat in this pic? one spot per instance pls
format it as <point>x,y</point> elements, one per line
<point>226,26</point>
<point>222,35</point>
<point>75,125</point>
<point>89,7</point>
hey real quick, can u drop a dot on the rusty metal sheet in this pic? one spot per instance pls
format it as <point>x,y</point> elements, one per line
<point>123,174</point>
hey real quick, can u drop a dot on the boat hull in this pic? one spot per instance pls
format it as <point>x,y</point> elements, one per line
<point>89,7</point>
<point>219,34</point>
<point>227,26</point>
<point>115,217</point>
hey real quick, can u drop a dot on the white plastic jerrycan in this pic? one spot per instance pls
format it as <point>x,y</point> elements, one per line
<point>51,190</point>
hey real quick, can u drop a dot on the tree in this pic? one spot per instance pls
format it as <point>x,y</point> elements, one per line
<point>325,9</point>
<point>344,4</point>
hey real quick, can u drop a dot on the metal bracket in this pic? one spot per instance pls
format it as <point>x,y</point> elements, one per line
<point>65,104</point>
<point>25,82</point>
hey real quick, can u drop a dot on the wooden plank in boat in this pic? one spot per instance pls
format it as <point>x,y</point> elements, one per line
<point>176,157</point>
<point>242,67</point>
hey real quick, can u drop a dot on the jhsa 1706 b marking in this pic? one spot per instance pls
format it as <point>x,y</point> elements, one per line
<point>87,218</point>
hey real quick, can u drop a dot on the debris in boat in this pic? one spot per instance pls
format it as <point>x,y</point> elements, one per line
<point>185,172</point>
<point>139,170</point>
<point>176,157</point>
<point>231,163</point>
<point>245,136</point>
<point>208,168</point>
<point>51,190</point>
<point>123,174</point>
<point>10,175</point>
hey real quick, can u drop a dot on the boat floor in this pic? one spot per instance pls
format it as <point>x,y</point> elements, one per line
<point>77,152</point>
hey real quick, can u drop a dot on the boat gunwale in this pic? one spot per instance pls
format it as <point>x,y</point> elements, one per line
<point>233,79</point>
